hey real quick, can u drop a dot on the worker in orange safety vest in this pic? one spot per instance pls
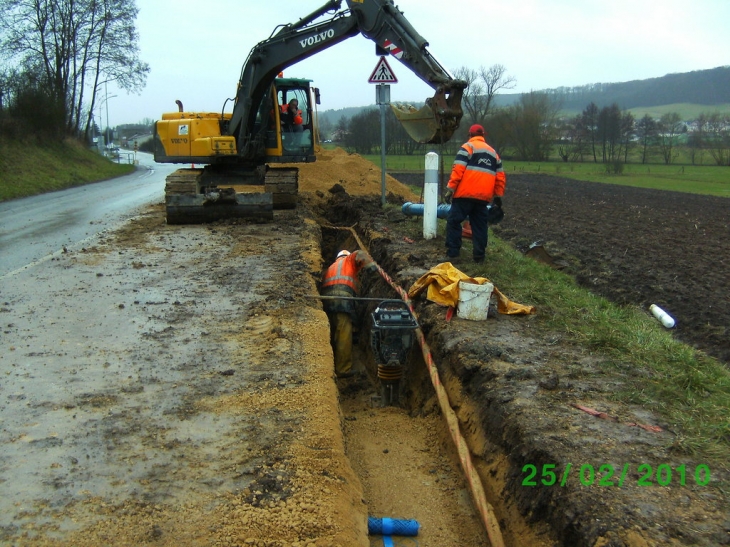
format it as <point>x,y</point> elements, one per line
<point>341,279</point>
<point>292,116</point>
<point>476,179</point>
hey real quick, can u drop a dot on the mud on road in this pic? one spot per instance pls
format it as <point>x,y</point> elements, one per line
<point>174,386</point>
<point>168,387</point>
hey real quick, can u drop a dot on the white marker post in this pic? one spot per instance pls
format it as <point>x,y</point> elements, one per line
<point>430,195</point>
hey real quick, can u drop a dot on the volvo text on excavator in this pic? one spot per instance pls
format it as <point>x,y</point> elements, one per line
<point>238,151</point>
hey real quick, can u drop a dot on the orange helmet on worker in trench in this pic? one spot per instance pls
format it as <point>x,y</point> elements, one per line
<point>343,253</point>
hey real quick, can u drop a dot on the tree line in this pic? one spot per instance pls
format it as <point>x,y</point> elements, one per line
<point>59,55</point>
<point>532,129</point>
<point>709,87</point>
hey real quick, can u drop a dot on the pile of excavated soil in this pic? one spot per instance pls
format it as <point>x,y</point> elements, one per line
<point>357,176</point>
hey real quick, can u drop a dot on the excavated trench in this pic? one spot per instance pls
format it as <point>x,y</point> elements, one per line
<point>396,435</point>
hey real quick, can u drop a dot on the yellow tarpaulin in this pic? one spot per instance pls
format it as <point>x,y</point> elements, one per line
<point>442,282</point>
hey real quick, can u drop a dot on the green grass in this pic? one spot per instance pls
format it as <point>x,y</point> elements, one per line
<point>691,390</point>
<point>686,111</point>
<point>696,179</point>
<point>406,163</point>
<point>28,169</point>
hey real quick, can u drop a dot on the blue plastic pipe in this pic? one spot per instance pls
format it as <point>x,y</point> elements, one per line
<point>416,209</point>
<point>392,527</point>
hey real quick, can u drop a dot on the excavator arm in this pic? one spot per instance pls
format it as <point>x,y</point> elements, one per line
<point>378,20</point>
<point>383,23</point>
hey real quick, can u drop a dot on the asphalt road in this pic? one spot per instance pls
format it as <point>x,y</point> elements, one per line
<point>36,228</point>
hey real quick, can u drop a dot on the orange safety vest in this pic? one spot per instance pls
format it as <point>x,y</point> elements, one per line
<point>343,271</point>
<point>477,171</point>
<point>297,115</point>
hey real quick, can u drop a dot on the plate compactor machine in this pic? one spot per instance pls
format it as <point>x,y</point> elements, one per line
<point>391,338</point>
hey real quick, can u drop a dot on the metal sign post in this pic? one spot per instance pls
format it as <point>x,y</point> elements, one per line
<point>382,97</point>
<point>382,75</point>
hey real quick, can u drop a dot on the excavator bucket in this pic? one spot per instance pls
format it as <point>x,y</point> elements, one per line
<point>437,120</point>
<point>420,124</point>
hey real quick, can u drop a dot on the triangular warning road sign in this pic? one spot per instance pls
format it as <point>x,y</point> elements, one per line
<point>383,74</point>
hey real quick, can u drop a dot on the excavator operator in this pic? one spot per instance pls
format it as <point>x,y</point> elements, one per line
<point>291,117</point>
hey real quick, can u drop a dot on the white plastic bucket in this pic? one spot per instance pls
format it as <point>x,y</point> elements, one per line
<point>474,300</point>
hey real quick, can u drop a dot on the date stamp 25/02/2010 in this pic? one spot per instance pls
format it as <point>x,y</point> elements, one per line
<point>607,475</point>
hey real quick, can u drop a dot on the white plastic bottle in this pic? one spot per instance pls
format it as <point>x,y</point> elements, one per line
<point>665,319</point>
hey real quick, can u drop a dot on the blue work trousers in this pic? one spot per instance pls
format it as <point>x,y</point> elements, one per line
<point>476,211</point>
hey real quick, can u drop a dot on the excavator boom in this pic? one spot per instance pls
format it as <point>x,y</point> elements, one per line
<point>378,20</point>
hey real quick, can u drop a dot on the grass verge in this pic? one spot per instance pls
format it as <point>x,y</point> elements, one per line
<point>28,169</point>
<point>688,389</point>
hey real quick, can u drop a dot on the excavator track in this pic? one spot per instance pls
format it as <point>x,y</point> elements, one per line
<point>189,201</point>
<point>283,183</point>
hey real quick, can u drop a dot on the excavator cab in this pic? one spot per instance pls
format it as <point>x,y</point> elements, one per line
<point>291,134</point>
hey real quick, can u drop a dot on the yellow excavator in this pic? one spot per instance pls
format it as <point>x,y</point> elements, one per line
<point>237,152</point>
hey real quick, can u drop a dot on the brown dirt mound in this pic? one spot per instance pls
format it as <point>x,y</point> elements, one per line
<point>356,175</point>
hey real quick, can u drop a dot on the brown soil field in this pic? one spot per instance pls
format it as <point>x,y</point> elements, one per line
<point>634,246</point>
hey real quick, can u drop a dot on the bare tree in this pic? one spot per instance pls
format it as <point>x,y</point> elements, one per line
<point>718,138</point>
<point>669,128</point>
<point>590,124</point>
<point>697,139</point>
<point>646,130</point>
<point>363,135</point>
<point>531,126</point>
<point>573,140</point>
<point>482,86</point>
<point>609,132</point>
<point>76,44</point>
<point>628,131</point>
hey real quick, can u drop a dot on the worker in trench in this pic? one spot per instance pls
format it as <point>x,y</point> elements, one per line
<point>341,279</point>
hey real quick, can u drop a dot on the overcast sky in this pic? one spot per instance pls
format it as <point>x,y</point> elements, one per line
<point>196,49</point>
